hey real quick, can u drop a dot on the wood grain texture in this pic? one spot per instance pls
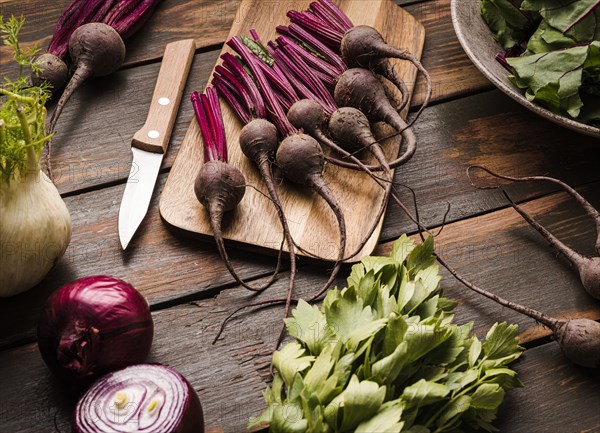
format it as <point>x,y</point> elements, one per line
<point>497,250</point>
<point>166,99</point>
<point>230,376</point>
<point>491,130</point>
<point>452,72</point>
<point>312,224</point>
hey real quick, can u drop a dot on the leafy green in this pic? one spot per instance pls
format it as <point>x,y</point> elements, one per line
<point>22,111</point>
<point>555,78</point>
<point>384,355</point>
<point>559,41</point>
<point>579,20</point>
<point>509,24</point>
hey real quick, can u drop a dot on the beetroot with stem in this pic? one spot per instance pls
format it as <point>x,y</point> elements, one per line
<point>299,156</point>
<point>363,46</point>
<point>97,50</point>
<point>219,186</point>
<point>360,89</point>
<point>258,141</point>
<point>579,339</point>
<point>587,267</point>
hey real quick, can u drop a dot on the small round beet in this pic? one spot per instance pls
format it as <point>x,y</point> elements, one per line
<point>301,158</point>
<point>53,71</point>
<point>258,140</point>
<point>579,340</point>
<point>219,187</point>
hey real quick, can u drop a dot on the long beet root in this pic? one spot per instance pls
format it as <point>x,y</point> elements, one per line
<point>579,339</point>
<point>301,160</point>
<point>360,89</point>
<point>363,46</point>
<point>587,267</point>
<point>97,50</point>
<point>219,186</point>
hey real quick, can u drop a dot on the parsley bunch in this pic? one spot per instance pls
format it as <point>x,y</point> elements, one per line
<point>383,355</point>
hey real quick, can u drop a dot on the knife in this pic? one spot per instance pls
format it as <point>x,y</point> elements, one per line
<point>150,143</point>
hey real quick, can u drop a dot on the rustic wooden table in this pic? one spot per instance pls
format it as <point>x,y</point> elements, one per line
<point>190,290</point>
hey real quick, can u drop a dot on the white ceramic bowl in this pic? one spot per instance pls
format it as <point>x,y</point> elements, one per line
<point>476,39</point>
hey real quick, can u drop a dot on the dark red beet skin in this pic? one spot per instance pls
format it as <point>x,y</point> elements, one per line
<point>219,187</point>
<point>300,158</point>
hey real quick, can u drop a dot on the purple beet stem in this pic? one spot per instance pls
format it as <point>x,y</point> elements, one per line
<point>210,120</point>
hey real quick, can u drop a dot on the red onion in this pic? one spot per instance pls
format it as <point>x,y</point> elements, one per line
<point>141,398</point>
<point>92,326</point>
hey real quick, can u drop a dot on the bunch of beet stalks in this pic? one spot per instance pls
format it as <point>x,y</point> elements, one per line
<point>316,85</point>
<point>319,85</point>
<point>89,37</point>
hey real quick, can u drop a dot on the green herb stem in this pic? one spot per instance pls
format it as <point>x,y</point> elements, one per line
<point>32,157</point>
<point>20,98</point>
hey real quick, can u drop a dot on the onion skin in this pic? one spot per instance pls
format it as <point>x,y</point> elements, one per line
<point>35,230</point>
<point>94,325</point>
<point>148,397</point>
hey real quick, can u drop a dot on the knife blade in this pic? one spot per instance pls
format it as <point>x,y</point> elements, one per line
<point>150,143</point>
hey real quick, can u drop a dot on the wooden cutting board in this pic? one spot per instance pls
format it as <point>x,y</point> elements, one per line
<point>254,224</point>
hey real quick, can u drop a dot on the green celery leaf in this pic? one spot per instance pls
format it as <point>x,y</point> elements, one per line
<point>387,420</point>
<point>501,344</point>
<point>453,410</point>
<point>291,360</point>
<point>359,401</point>
<point>423,393</point>
<point>402,248</point>
<point>474,351</point>
<point>386,370</point>
<point>350,321</point>
<point>288,418</point>
<point>421,257</point>
<point>487,396</point>
<point>309,326</point>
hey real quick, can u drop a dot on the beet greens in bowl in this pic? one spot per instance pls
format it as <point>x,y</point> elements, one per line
<point>542,53</point>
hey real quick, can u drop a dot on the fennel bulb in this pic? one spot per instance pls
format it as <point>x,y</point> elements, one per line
<point>35,225</point>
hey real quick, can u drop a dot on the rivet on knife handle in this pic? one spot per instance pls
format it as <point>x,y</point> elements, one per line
<point>156,132</point>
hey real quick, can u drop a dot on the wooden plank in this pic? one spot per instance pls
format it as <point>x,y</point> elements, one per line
<point>496,250</point>
<point>84,157</point>
<point>452,72</point>
<point>230,375</point>
<point>255,222</point>
<point>491,130</point>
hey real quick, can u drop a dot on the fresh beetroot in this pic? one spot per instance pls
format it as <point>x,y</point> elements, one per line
<point>219,186</point>
<point>125,16</point>
<point>587,267</point>
<point>97,50</point>
<point>52,69</point>
<point>363,46</point>
<point>301,160</point>
<point>579,339</point>
<point>360,89</point>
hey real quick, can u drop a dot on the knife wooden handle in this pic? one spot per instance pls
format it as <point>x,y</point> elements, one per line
<point>156,132</point>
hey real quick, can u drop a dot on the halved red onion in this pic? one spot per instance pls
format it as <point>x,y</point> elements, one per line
<point>92,326</point>
<point>146,398</point>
